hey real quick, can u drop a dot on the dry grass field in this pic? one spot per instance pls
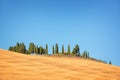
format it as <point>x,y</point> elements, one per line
<point>16,66</point>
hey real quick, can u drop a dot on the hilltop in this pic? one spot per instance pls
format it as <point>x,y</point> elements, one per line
<point>17,66</point>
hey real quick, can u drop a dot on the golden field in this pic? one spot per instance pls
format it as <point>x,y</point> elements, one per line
<point>17,66</point>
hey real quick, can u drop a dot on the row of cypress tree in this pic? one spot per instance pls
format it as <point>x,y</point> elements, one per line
<point>34,49</point>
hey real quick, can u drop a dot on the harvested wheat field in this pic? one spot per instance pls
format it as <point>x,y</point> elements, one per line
<point>16,66</point>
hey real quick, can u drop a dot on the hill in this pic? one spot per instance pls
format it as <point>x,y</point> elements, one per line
<point>16,66</point>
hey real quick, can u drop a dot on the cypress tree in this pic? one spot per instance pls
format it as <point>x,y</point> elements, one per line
<point>56,49</point>
<point>46,51</point>
<point>36,49</point>
<point>14,48</point>
<point>17,47</point>
<point>22,48</point>
<point>76,50</point>
<point>31,48</point>
<point>110,62</point>
<point>85,54</point>
<point>68,49</point>
<point>53,49</point>
<point>62,49</point>
<point>40,50</point>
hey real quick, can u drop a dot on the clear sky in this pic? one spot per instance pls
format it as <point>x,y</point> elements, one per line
<point>93,24</point>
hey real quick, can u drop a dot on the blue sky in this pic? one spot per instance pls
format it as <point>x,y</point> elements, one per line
<point>93,24</point>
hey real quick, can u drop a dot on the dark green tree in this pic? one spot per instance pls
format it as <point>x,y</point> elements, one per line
<point>46,52</point>
<point>68,50</point>
<point>22,48</point>
<point>17,47</point>
<point>62,49</point>
<point>85,54</point>
<point>36,49</point>
<point>76,50</point>
<point>110,62</point>
<point>14,48</point>
<point>42,50</point>
<point>56,48</point>
<point>53,49</point>
<point>31,48</point>
<point>11,48</point>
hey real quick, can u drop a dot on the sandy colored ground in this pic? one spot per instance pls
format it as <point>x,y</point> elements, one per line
<point>16,66</point>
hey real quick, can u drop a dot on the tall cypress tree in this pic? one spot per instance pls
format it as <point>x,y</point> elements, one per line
<point>110,62</point>
<point>36,49</point>
<point>62,49</point>
<point>85,54</point>
<point>68,49</point>
<point>53,49</point>
<point>40,50</point>
<point>46,51</point>
<point>56,48</point>
<point>17,47</point>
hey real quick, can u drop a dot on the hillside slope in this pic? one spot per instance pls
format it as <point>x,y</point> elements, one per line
<point>16,66</point>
